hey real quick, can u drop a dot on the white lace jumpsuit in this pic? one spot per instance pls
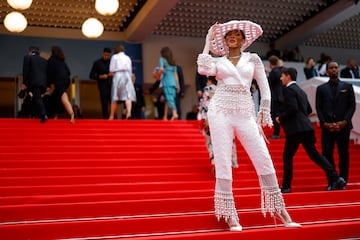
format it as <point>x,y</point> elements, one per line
<point>231,111</point>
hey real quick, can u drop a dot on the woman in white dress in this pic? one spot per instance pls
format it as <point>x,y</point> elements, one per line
<point>122,88</point>
<point>231,111</point>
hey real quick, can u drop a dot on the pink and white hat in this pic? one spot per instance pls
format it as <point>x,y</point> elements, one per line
<point>251,30</point>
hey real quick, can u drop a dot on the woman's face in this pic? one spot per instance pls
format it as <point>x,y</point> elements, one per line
<point>311,62</point>
<point>234,39</point>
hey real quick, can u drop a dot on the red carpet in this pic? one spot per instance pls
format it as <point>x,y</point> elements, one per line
<point>101,179</point>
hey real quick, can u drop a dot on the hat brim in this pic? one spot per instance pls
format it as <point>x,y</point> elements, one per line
<point>251,30</point>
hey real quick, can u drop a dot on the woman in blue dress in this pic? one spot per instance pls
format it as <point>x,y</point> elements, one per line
<point>169,82</point>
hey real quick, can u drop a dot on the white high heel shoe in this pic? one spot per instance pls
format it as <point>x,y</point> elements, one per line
<point>286,219</point>
<point>234,225</point>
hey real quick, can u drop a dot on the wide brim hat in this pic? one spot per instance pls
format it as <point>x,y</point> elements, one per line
<point>251,30</point>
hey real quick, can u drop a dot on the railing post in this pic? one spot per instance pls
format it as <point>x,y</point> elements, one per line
<point>75,91</point>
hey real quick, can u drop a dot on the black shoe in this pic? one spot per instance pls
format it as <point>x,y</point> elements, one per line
<point>43,119</point>
<point>286,190</point>
<point>338,184</point>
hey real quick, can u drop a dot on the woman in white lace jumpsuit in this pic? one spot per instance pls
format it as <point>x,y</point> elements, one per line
<point>231,111</point>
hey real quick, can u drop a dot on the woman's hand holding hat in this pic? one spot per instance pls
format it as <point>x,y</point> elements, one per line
<point>210,33</point>
<point>209,37</point>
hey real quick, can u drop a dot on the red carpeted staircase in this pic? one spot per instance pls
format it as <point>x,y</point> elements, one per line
<point>150,179</point>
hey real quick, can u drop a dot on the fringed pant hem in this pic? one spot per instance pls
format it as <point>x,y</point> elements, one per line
<point>225,206</point>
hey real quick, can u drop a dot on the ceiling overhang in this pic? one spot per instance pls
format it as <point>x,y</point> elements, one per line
<point>150,15</point>
<point>288,23</point>
<point>332,16</point>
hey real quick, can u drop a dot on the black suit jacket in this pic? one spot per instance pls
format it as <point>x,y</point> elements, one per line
<point>58,72</point>
<point>335,108</point>
<point>181,80</point>
<point>295,110</point>
<point>275,84</point>
<point>346,73</point>
<point>99,67</point>
<point>34,71</point>
<point>200,81</point>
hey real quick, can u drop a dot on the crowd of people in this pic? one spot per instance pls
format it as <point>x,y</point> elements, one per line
<point>117,84</point>
<point>313,68</point>
<point>46,82</point>
<point>169,90</point>
<point>115,81</point>
<point>335,106</point>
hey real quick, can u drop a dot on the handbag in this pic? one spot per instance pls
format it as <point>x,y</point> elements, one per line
<point>158,72</point>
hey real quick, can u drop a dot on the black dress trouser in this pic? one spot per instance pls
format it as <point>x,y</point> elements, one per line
<point>307,139</point>
<point>37,100</point>
<point>328,140</point>
<point>104,87</point>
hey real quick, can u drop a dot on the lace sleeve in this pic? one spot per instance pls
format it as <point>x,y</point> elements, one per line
<point>260,77</point>
<point>264,116</point>
<point>206,65</point>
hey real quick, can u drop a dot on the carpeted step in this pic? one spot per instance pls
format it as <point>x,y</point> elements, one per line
<point>44,208</point>
<point>125,227</point>
<point>319,231</point>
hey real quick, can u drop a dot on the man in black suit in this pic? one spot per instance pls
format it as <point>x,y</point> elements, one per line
<point>35,80</point>
<point>200,83</point>
<point>351,71</point>
<point>299,130</point>
<point>335,106</point>
<point>276,89</point>
<point>100,71</point>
